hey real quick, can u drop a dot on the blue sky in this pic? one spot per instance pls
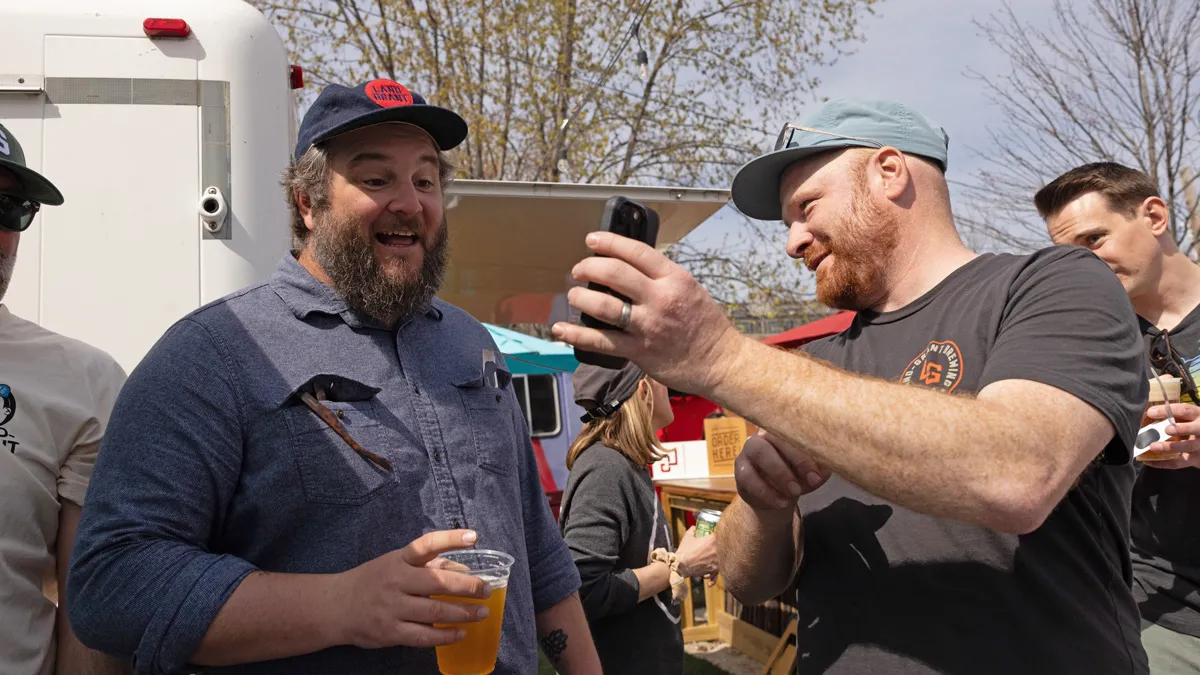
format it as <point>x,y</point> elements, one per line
<point>918,52</point>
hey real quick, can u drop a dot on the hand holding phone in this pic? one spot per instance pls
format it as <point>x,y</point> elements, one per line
<point>626,218</point>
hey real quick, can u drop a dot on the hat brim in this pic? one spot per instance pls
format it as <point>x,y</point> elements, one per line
<point>446,128</point>
<point>596,385</point>
<point>35,184</point>
<point>755,190</point>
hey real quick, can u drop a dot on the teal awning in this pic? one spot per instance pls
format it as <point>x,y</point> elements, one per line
<point>522,352</point>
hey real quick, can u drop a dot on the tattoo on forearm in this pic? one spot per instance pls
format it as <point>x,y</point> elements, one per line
<point>554,644</point>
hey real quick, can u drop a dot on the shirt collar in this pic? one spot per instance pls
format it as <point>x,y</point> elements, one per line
<point>305,295</point>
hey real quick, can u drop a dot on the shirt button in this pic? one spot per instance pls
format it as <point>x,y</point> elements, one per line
<point>437,456</point>
<point>498,398</point>
<point>340,414</point>
<point>457,524</point>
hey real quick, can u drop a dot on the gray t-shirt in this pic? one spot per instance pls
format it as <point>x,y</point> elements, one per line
<point>887,590</point>
<point>1166,508</point>
<point>611,520</point>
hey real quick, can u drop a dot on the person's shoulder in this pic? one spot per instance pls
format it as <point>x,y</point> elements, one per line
<point>820,345</point>
<point>214,313</point>
<point>1188,328</point>
<point>603,459</point>
<point>1071,268</point>
<point>1060,268</point>
<point>223,320</point>
<point>457,321</point>
<point>209,332</point>
<point>78,356</point>
<point>1053,258</point>
<point>461,336</point>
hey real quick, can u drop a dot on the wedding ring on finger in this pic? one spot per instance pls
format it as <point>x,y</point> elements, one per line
<point>626,313</point>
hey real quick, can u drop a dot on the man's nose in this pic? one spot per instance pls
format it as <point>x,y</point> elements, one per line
<point>405,200</point>
<point>799,238</point>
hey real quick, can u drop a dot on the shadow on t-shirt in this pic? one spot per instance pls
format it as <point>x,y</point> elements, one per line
<point>1163,601</point>
<point>858,615</point>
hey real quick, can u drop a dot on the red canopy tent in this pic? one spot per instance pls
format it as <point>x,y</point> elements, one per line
<point>814,330</point>
<point>690,411</point>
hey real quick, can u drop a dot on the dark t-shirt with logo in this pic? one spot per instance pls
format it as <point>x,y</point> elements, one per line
<point>887,590</point>
<point>1166,517</point>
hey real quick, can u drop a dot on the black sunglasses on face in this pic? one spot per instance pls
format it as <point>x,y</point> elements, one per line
<point>1165,359</point>
<point>16,213</point>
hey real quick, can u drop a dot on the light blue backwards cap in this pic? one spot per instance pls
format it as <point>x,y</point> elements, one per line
<point>841,123</point>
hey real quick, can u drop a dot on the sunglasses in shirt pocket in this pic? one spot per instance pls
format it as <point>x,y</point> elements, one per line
<point>486,399</point>
<point>331,471</point>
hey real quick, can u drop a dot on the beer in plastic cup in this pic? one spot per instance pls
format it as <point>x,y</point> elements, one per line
<point>475,654</point>
<point>1169,391</point>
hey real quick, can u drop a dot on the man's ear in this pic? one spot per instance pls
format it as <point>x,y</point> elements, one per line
<point>1158,216</point>
<point>304,206</point>
<point>892,172</point>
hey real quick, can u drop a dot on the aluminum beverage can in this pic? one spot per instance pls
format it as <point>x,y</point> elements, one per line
<point>706,522</point>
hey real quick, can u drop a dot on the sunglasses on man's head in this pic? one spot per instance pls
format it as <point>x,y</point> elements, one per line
<point>789,130</point>
<point>16,213</point>
<point>1165,359</point>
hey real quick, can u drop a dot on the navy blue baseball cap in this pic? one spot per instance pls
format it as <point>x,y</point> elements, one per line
<point>839,124</point>
<point>339,109</point>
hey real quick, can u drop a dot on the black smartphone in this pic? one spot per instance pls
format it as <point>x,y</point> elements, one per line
<point>626,218</point>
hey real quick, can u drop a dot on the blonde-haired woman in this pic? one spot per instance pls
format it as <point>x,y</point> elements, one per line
<point>632,576</point>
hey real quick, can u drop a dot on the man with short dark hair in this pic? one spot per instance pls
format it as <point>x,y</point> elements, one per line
<point>976,417</point>
<point>287,464</point>
<point>1117,212</point>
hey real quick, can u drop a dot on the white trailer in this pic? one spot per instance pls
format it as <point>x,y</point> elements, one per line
<point>140,111</point>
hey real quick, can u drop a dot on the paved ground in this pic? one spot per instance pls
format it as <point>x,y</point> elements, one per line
<point>724,657</point>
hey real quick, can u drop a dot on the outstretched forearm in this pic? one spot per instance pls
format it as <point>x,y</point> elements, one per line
<point>1001,460</point>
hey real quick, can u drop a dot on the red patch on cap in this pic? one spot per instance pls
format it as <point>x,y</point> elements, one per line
<point>388,94</point>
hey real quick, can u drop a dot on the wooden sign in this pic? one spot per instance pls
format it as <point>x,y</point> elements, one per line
<point>725,437</point>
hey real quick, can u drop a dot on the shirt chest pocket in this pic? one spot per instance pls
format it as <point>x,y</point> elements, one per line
<point>330,470</point>
<point>489,416</point>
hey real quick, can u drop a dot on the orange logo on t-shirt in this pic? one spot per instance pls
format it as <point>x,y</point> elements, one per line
<point>931,373</point>
<point>939,365</point>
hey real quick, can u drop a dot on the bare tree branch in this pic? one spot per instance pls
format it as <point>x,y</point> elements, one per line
<point>1109,80</point>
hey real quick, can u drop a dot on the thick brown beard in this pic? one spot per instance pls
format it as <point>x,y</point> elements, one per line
<point>345,251</point>
<point>862,252</point>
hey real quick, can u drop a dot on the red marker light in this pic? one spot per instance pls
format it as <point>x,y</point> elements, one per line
<point>296,77</point>
<point>166,28</point>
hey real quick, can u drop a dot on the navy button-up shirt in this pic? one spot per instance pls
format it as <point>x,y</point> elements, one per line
<point>212,468</point>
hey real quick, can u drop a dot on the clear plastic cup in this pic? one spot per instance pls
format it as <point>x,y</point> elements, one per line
<point>1163,389</point>
<point>475,654</point>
